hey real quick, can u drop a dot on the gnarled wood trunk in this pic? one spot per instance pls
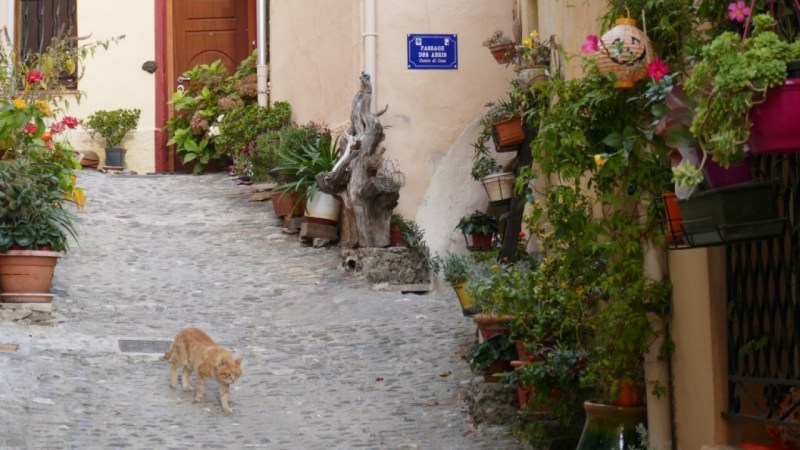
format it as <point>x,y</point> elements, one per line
<point>367,200</point>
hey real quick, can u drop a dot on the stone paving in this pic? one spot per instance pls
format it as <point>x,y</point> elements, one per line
<point>328,362</point>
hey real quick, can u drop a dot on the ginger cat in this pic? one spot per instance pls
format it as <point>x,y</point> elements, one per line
<point>194,350</point>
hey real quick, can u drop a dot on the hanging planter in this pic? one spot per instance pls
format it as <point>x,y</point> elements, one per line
<point>499,187</point>
<point>624,50</point>
<point>773,124</point>
<point>508,134</point>
<point>502,53</point>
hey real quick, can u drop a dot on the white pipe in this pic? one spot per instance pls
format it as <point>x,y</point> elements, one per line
<point>371,47</point>
<point>261,46</point>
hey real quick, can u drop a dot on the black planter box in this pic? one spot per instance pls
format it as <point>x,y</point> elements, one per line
<point>732,214</point>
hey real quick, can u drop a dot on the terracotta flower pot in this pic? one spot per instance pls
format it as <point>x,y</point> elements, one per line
<point>396,236</point>
<point>509,133</point>
<point>288,203</point>
<point>502,53</point>
<point>481,241</point>
<point>497,367</point>
<point>489,324</point>
<point>27,271</point>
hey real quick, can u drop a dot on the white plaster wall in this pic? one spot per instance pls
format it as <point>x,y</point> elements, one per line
<point>114,78</point>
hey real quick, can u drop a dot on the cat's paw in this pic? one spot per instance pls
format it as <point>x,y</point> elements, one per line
<point>227,410</point>
<point>173,385</point>
<point>198,399</point>
<point>187,389</point>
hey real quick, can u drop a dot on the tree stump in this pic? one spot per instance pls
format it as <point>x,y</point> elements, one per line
<point>362,179</point>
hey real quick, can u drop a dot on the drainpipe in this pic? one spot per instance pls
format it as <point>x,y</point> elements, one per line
<point>261,45</point>
<point>370,47</point>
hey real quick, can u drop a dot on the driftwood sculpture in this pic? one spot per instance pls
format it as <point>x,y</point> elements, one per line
<point>367,184</point>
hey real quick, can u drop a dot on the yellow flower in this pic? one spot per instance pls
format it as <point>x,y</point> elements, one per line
<point>600,160</point>
<point>19,103</point>
<point>579,290</point>
<point>534,34</point>
<point>528,43</point>
<point>563,285</point>
<point>44,108</point>
<point>493,267</point>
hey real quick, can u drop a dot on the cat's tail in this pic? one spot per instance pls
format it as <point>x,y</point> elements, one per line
<point>168,353</point>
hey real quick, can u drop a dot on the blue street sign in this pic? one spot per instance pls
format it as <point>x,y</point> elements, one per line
<point>433,51</point>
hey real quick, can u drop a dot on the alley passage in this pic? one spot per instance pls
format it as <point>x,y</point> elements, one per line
<point>328,363</point>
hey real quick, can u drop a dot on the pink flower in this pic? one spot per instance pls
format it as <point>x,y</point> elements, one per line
<point>31,129</point>
<point>657,69</point>
<point>70,122</point>
<point>591,45</point>
<point>737,11</point>
<point>57,127</point>
<point>34,76</point>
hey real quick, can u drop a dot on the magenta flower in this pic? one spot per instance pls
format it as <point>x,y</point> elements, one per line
<point>34,76</point>
<point>31,129</point>
<point>591,45</point>
<point>738,11</point>
<point>657,69</point>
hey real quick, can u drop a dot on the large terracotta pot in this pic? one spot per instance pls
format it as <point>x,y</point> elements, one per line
<point>509,134</point>
<point>27,271</point>
<point>287,203</point>
<point>490,324</point>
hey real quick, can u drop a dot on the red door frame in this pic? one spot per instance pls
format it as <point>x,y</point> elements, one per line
<point>161,150</point>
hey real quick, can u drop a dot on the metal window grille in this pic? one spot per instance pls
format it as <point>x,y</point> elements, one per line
<point>40,21</point>
<point>763,306</point>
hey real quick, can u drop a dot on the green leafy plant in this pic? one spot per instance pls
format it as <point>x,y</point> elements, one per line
<point>477,222</point>
<point>313,158</point>
<point>453,266</point>
<point>32,213</point>
<point>498,37</point>
<point>497,347</point>
<point>112,126</point>
<point>729,79</point>
<point>483,166</point>
<point>300,150</point>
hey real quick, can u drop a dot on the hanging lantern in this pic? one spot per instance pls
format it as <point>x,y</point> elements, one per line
<point>626,51</point>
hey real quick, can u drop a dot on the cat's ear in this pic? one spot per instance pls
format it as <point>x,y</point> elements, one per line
<point>222,362</point>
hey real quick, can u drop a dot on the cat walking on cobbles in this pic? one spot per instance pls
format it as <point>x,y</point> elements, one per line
<point>196,352</point>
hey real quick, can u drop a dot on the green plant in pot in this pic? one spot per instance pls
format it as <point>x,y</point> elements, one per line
<point>299,151</point>
<point>493,356</point>
<point>112,127</point>
<point>501,46</point>
<point>729,80</point>
<point>480,227</point>
<point>454,267</point>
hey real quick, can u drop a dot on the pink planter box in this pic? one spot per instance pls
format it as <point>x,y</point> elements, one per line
<point>775,124</point>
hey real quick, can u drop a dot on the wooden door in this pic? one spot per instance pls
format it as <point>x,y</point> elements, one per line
<point>207,30</point>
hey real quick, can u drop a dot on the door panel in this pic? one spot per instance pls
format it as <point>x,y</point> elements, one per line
<point>205,31</point>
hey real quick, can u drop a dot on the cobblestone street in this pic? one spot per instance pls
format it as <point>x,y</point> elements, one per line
<point>328,361</point>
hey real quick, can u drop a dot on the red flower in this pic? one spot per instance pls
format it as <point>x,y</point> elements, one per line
<point>657,69</point>
<point>31,129</point>
<point>34,76</point>
<point>70,122</point>
<point>554,391</point>
<point>46,136</point>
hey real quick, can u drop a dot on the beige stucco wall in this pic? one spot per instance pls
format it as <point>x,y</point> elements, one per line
<point>114,78</point>
<point>316,59</point>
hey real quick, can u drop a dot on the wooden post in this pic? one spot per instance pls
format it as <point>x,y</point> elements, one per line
<point>515,209</point>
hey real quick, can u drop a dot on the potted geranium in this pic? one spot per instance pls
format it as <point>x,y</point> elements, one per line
<point>112,127</point>
<point>480,227</point>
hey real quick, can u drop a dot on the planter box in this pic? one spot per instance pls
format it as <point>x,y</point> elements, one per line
<point>773,127</point>
<point>508,134</point>
<point>731,214</point>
